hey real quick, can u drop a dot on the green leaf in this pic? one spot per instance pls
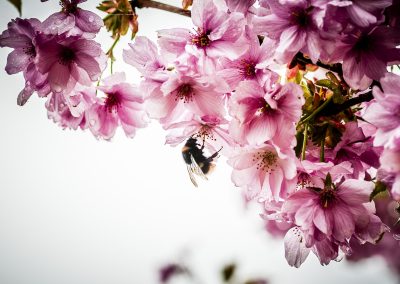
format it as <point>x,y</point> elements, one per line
<point>337,96</point>
<point>380,188</point>
<point>326,83</point>
<point>333,78</point>
<point>17,4</point>
<point>228,272</point>
<point>311,86</point>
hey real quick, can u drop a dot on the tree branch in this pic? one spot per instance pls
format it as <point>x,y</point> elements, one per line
<point>161,6</point>
<point>299,58</point>
<point>333,108</point>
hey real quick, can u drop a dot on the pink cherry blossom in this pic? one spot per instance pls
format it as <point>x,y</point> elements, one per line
<point>217,33</point>
<point>73,20</point>
<point>264,171</point>
<point>210,129</point>
<point>366,53</point>
<point>250,66</point>
<point>357,149</point>
<point>257,113</point>
<point>70,110</point>
<point>334,210</point>
<point>183,94</point>
<point>327,217</point>
<point>68,60</point>
<point>20,35</point>
<point>121,105</point>
<point>296,26</point>
<point>143,55</point>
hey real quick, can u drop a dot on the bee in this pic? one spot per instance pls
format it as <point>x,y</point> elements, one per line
<point>196,162</point>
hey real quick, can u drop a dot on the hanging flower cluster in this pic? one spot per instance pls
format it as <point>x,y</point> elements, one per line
<point>314,148</point>
<point>61,61</point>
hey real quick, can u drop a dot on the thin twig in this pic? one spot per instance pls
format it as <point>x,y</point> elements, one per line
<point>304,146</point>
<point>161,6</point>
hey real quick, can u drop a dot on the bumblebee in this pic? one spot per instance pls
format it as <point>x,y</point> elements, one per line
<point>196,162</point>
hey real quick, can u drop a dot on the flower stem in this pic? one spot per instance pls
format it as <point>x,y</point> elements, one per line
<point>322,149</point>
<point>161,6</point>
<point>110,52</point>
<point>303,147</point>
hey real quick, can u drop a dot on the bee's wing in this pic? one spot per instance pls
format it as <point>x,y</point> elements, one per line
<point>191,175</point>
<point>196,168</point>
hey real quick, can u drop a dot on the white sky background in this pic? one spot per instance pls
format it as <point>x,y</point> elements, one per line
<point>76,210</point>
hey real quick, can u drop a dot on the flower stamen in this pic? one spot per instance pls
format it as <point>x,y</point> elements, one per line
<point>112,103</point>
<point>185,93</point>
<point>200,39</point>
<point>266,160</point>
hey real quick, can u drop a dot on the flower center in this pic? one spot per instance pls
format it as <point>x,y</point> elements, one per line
<point>248,69</point>
<point>205,133</point>
<point>200,39</point>
<point>327,196</point>
<point>112,103</point>
<point>363,43</point>
<point>185,93</point>
<point>303,181</point>
<point>266,160</point>
<point>66,56</point>
<point>264,107</point>
<point>30,50</point>
<point>301,18</point>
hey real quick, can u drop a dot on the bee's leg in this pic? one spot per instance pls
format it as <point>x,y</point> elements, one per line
<point>211,158</point>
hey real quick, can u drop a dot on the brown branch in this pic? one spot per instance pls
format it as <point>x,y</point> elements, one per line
<point>161,6</point>
<point>300,58</point>
<point>333,108</point>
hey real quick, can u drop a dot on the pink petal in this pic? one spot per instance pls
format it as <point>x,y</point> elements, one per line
<point>320,221</point>
<point>344,225</point>
<point>58,77</point>
<point>206,103</point>
<point>296,251</point>
<point>173,40</point>
<point>17,61</point>
<point>59,23</point>
<point>261,129</point>
<point>360,17</point>
<point>88,21</point>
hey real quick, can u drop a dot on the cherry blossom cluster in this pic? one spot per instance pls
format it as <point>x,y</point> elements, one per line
<point>61,61</point>
<point>314,151</point>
